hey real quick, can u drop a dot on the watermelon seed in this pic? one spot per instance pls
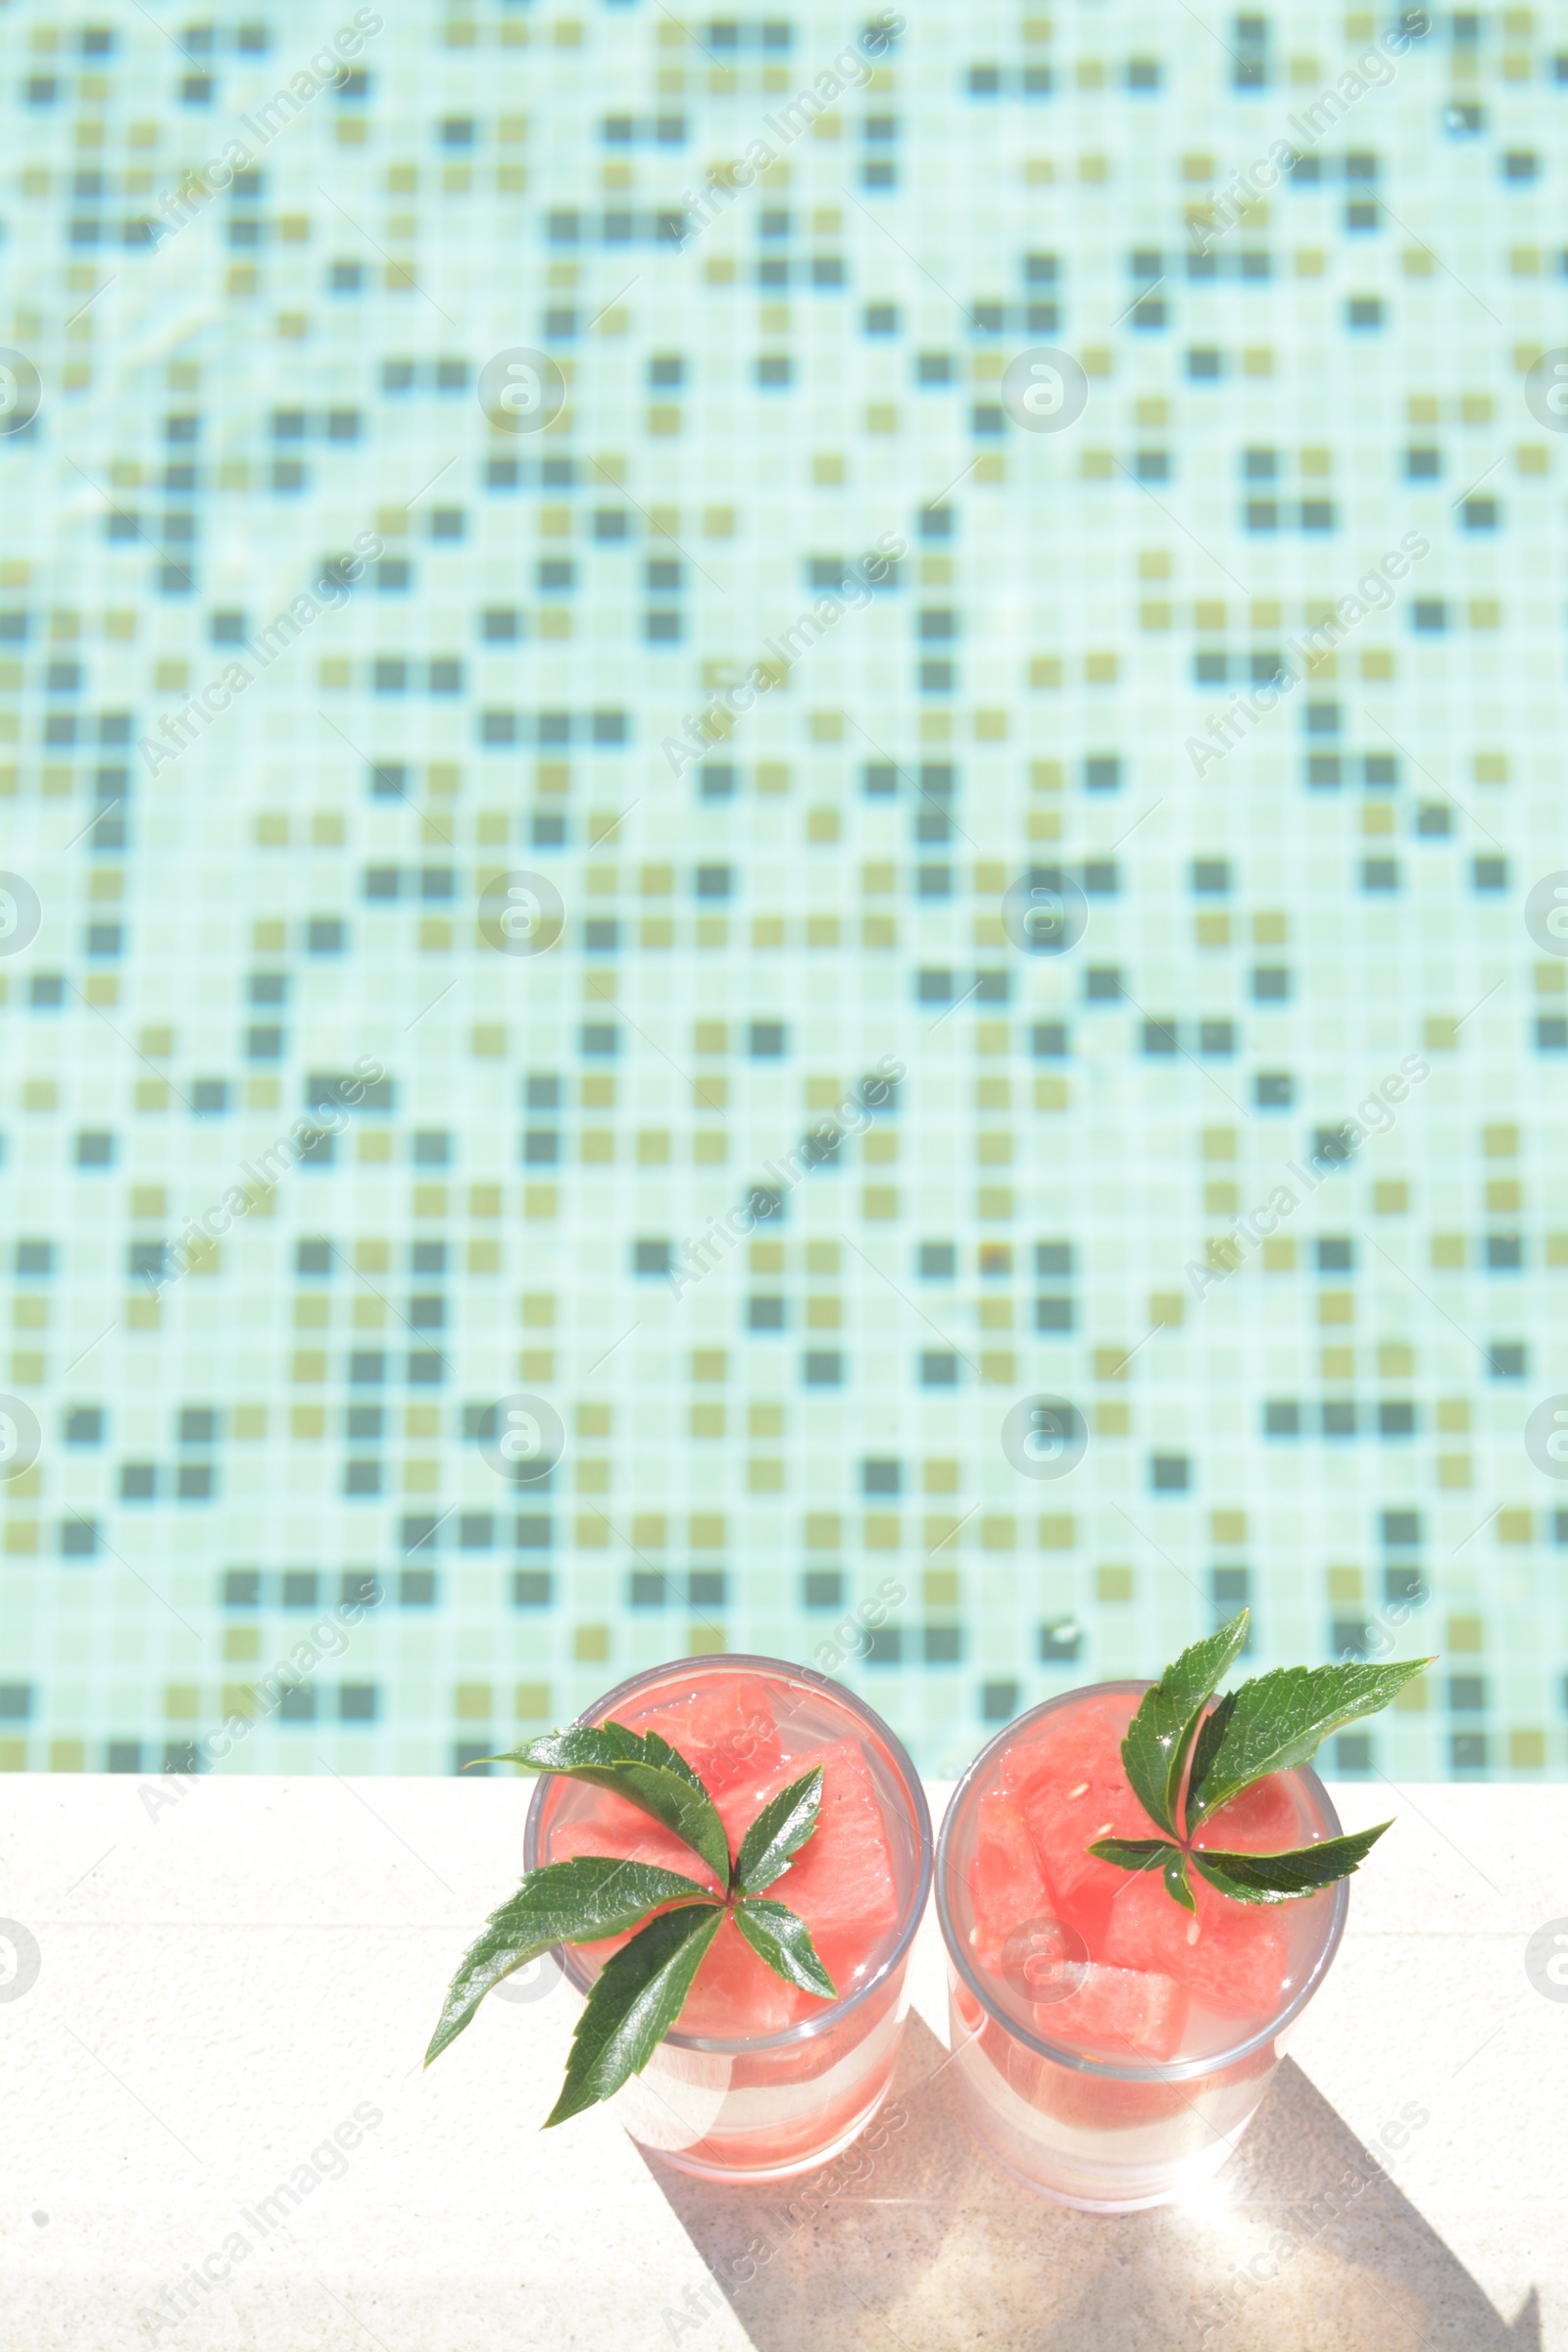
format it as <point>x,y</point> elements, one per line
<point>1080,1791</point>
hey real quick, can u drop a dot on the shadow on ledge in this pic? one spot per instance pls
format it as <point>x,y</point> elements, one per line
<point>921,2242</point>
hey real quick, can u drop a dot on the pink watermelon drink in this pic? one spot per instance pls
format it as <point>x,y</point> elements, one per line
<point>1114,2044</point>
<point>761,2079</point>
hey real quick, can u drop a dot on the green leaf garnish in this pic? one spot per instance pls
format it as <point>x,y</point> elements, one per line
<point>1178,1885</point>
<point>1134,1853</point>
<point>779,1831</point>
<point>1282,1718</point>
<point>565,1902</point>
<point>641,1768</point>
<point>640,1991</point>
<point>1271,1724</point>
<point>1161,1734</point>
<point>634,2004</point>
<point>1206,1748</point>
<point>776,1936</point>
<point>1151,1853</point>
<point>1280,1877</point>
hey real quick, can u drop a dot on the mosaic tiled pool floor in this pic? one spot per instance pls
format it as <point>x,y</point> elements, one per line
<point>517,1165</point>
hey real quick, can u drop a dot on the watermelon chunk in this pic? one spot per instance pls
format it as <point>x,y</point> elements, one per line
<point>725,1732</point>
<point>1117,2010</point>
<point>1262,1820</point>
<point>1090,1734</point>
<point>1072,1788</point>
<point>614,1826</point>
<point>843,1878</point>
<point>737,1992</point>
<point>1088,2102</point>
<point>1229,1954</point>
<point>1007,1884</point>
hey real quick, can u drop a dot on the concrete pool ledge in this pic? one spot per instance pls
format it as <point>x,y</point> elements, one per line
<point>218,2132</point>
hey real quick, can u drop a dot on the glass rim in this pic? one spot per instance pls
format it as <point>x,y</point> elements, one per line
<point>730,1661</point>
<point>1175,2070</point>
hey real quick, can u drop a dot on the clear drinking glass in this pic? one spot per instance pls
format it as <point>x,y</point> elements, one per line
<point>741,2105</point>
<point>1088,2131</point>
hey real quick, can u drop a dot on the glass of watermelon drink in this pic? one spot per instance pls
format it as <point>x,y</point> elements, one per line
<point>760,2079</point>
<point>1114,2047</point>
